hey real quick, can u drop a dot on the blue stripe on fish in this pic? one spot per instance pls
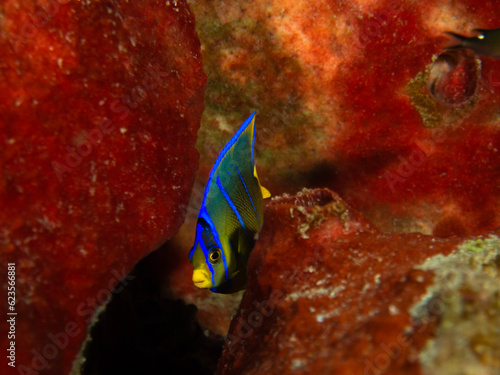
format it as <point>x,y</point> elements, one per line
<point>225,217</point>
<point>204,214</point>
<point>248,193</point>
<point>223,153</point>
<point>231,204</point>
<point>205,250</point>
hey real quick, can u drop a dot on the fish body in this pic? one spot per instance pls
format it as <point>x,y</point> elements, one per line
<point>230,215</point>
<point>487,43</point>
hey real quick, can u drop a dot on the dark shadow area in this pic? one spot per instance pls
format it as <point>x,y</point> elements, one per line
<point>141,333</point>
<point>322,174</point>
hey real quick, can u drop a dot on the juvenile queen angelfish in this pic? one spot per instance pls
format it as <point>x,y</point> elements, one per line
<point>230,216</point>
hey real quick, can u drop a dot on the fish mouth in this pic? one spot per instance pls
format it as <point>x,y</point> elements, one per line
<point>201,279</point>
<point>202,284</point>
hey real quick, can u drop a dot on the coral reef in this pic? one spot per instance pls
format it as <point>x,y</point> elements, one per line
<point>348,299</point>
<point>465,296</point>
<point>100,106</point>
<point>343,101</point>
<point>394,273</point>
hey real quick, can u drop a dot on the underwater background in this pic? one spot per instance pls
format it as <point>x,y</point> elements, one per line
<point>379,252</point>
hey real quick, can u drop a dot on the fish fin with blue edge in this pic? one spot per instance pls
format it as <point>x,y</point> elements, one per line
<point>230,215</point>
<point>234,200</point>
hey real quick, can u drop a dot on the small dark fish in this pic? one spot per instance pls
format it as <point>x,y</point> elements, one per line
<point>487,43</point>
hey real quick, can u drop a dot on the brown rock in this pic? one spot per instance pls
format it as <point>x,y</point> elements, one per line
<point>328,294</point>
<point>100,106</point>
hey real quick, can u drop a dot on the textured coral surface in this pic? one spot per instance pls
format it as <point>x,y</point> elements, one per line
<point>465,294</point>
<point>100,103</point>
<point>328,294</point>
<point>355,96</point>
<point>342,100</point>
<point>99,110</point>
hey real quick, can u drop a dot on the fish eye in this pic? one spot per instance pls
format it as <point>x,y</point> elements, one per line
<point>214,256</point>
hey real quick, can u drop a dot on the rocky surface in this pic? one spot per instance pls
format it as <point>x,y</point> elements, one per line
<point>100,108</point>
<point>328,294</point>
<point>356,96</point>
<point>100,104</point>
<point>359,97</point>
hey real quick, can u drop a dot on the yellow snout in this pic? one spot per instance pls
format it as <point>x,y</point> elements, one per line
<point>201,279</point>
